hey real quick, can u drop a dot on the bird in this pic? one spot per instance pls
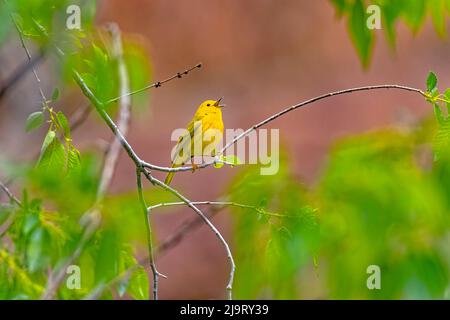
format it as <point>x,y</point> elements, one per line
<point>205,130</point>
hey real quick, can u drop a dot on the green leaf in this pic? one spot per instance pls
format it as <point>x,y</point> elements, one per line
<point>34,120</point>
<point>47,140</point>
<point>438,15</point>
<point>64,123</point>
<point>441,140</point>
<point>431,82</point>
<point>340,5</point>
<point>73,159</point>
<point>414,13</point>
<point>360,34</point>
<point>55,94</point>
<point>53,155</point>
<point>138,286</point>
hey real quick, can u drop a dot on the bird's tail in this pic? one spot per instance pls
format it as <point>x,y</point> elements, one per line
<point>169,176</point>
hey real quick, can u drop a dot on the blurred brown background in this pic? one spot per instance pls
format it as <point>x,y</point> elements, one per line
<point>262,56</point>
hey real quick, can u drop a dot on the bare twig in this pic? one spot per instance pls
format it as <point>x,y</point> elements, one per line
<point>9,194</point>
<point>20,72</point>
<point>222,203</point>
<point>149,234</point>
<point>281,113</point>
<point>30,60</point>
<point>189,203</point>
<point>9,221</point>
<point>158,84</point>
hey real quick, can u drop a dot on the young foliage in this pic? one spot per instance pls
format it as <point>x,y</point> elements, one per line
<point>34,120</point>
<point>439,101</point>
<point>412,12</point>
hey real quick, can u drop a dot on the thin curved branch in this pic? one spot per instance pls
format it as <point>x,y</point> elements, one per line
<point>9,221</point>
<point>149,234</point>
<point>281,113</point>
<point>9,194</point>
<point>174,239</point>
<point>206,220</point>
<point>30,60</point>
<point>221,203</point>
<point>18,74</point>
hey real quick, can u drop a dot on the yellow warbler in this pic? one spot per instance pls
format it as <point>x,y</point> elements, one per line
<point>203,134</point>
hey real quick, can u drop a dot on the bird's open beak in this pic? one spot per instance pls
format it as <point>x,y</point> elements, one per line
<point>217,104</point>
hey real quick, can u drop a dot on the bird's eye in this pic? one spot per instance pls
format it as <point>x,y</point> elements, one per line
<point>208,105</point>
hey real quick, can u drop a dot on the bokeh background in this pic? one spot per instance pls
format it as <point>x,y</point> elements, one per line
<point>261,56</point>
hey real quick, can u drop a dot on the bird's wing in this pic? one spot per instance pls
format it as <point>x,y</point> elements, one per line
<point>184,140</point>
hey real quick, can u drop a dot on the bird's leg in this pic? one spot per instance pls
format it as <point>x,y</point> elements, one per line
<point>194,166</point>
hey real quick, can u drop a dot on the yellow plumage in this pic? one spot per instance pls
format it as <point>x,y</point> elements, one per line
<point>203,133</point>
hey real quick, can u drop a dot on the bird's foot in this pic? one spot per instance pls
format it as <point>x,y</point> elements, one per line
<point>194,167</point>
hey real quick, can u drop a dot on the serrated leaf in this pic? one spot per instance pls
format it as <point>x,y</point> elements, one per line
<point>53,156</point>
<point>34,120</point>
<point>73,159</point>
<point>64,123</point>
<point>431,82</point>
<point>55,94</point>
